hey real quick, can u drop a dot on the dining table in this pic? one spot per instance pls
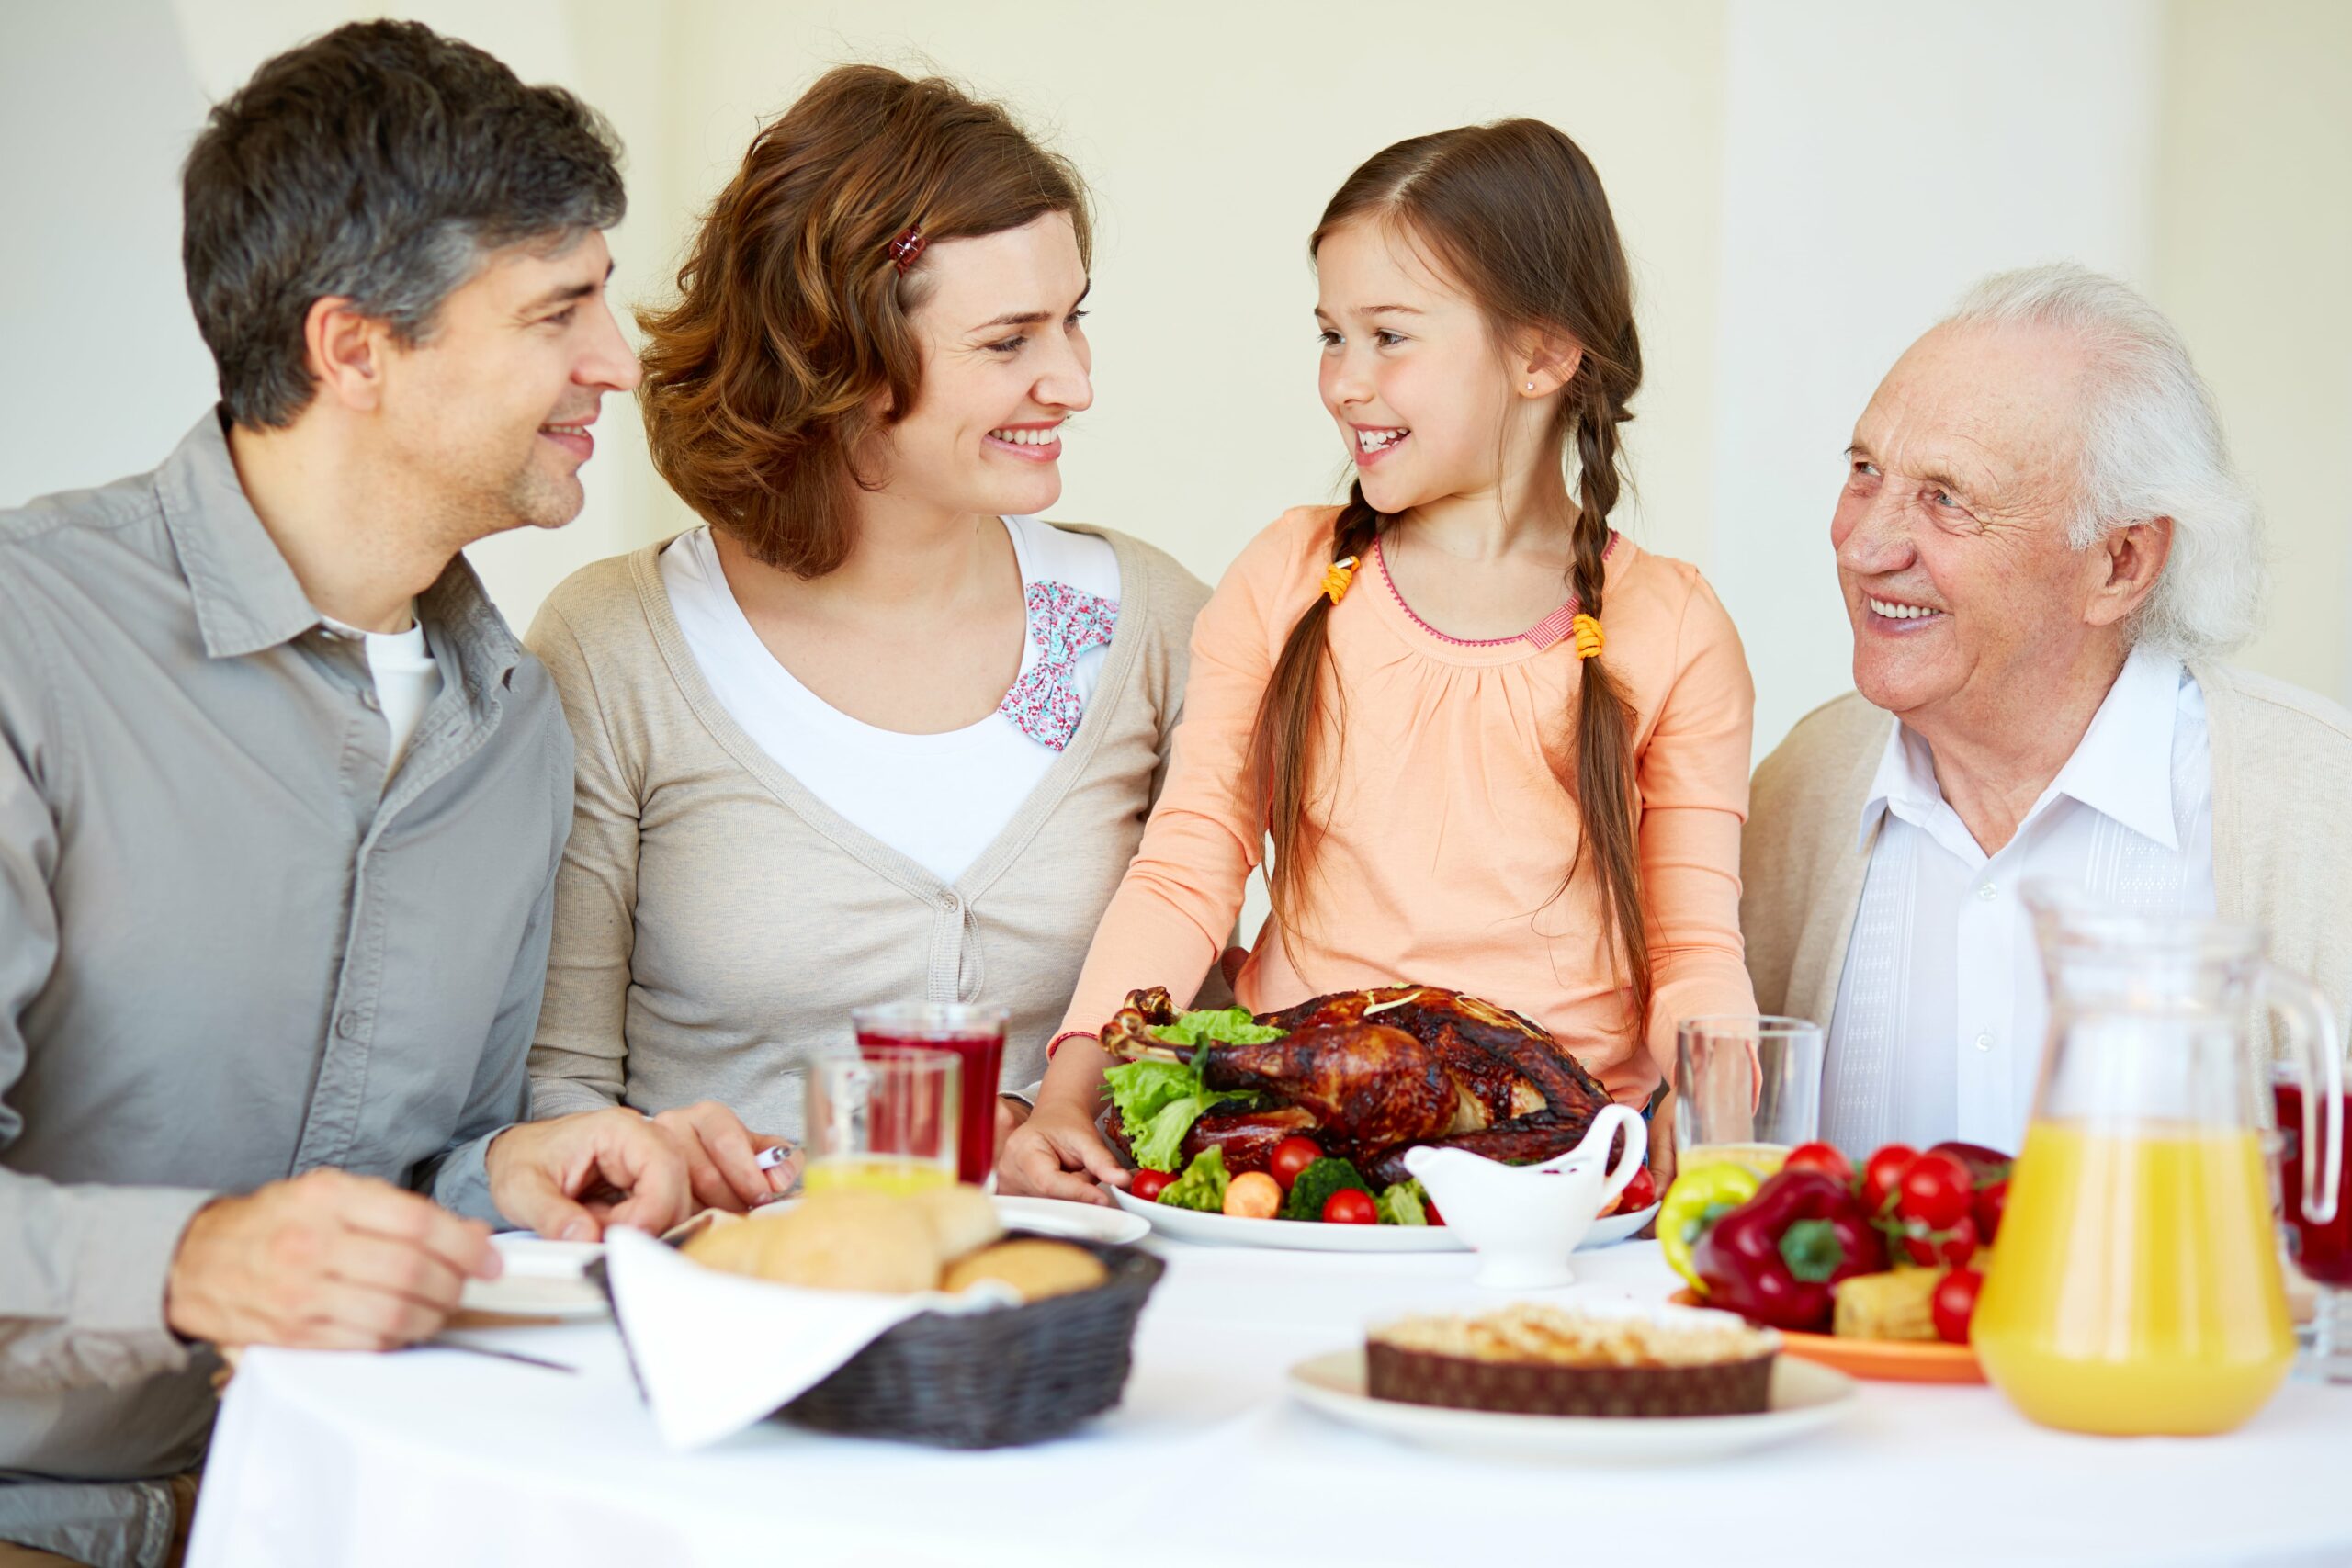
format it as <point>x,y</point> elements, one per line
<point>441,1456</point>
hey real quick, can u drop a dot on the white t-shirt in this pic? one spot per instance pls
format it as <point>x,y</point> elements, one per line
<point>1942,1006</point>
<point>941,799</point>
<point>406,680</point>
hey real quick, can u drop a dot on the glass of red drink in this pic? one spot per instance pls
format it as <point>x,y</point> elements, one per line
<point>2321,1248</point>
<point>976,1034</point>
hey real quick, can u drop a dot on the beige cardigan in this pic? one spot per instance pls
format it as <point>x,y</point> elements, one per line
<point>714,920</point>
<point>2282,836</point>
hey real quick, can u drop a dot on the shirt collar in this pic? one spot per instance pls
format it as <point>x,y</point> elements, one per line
<point>2121,767</point>
<point>247,598</point>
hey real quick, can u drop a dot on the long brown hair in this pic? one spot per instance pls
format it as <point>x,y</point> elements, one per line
<point>763,379</point>
<point>1514,213</point>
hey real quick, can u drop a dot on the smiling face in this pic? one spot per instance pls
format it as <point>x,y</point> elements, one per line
<point>1004,362</point>
<point>1968,605</point>
<point>1411,373</point>
<point>485,423</point>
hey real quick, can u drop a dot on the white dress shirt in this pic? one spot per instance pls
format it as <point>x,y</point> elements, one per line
<point>1942,1006</point>
<point>939,799</point>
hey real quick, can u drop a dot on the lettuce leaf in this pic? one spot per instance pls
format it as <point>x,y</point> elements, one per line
<point>1158,1102</point>
<point>1222,1026</point>
<point>1201,1186</point>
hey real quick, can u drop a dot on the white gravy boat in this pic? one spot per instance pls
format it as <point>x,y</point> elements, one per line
<point>1524,1220</point>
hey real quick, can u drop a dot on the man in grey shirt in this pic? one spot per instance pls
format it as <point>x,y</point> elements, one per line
<point>281,799</point>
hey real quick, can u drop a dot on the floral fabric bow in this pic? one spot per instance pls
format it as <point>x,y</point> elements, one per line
<point>1044,704</point>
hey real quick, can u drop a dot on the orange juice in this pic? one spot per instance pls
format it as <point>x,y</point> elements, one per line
<point>877,1173</point>
<point>2136,1288</point>
<point>1762,1158</point>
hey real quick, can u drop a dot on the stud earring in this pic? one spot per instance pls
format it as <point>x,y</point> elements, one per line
<point>1531,386</point>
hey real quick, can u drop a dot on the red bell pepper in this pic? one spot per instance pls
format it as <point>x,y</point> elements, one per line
<point>1774,1258</point>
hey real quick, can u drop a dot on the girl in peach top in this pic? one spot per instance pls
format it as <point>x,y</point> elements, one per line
<point>1498,747</point>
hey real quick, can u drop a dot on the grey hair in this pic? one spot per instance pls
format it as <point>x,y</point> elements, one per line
<point>380,162</point>
<point>2152,447</point>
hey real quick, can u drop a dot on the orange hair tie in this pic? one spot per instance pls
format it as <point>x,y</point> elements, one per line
<point>1588,637</point>
<point>1337,577</point>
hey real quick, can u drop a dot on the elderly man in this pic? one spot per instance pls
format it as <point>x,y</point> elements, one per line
<point>2044,554</point>
<point>281,799</point>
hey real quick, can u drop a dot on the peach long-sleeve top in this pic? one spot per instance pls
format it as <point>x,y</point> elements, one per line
<point>1446,830</point>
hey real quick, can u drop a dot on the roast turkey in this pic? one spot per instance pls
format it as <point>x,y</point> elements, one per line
<point>1370,1074</point>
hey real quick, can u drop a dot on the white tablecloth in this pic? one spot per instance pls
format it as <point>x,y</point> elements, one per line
<point>432,1456</point>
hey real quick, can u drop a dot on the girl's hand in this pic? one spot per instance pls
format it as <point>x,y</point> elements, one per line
<point>1058,1154</point>
<point>1011,1112</point>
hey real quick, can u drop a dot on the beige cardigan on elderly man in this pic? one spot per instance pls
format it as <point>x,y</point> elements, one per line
<point>2282,836</point>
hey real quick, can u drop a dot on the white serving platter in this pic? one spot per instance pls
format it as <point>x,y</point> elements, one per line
<point>1806,1397</point>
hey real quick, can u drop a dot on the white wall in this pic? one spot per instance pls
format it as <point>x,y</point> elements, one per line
<point>1804,184</point>
<point>1879,158</point>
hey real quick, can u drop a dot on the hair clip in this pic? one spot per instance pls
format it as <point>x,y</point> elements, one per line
<point>1337,577</point>
<point>1588,638</point>
<point>907,247</point>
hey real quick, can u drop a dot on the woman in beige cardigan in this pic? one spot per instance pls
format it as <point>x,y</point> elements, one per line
<point>873,733</point>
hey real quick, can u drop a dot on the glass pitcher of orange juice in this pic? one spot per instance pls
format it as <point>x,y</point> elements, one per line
<point>2134,1286</point>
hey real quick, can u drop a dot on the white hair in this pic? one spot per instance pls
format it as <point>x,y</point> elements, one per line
<point>2152,447</point>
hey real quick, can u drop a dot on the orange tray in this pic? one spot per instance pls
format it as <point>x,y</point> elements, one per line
<point>1879,1361</point>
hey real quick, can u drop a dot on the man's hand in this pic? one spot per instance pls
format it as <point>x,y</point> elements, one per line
<point>1057,1153</point>
<point>572,1175</point>
<point>722,1157</point>
<point>327,1262</point>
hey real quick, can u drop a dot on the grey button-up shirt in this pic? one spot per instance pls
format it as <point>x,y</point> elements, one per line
<point>230,949</point>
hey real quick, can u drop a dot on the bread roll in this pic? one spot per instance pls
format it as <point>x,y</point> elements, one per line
<point>831,1241</point>
<point>1034,1270</point>
<point>963,1218</point>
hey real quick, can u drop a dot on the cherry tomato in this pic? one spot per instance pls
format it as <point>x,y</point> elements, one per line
<point>1883,1173</point>
<point>1953,1250</point>
<point>1149,1185</point>
<point>1823,1157</point>
<point>1430,1209</point>
<point>1937,1190</point>
<point>1292,1156</point>
<point>1955,1303</point>
<point>1253,1195</point>
<point>1350,1207</point>
<point>1639,1194</point>
<point>1992,1201</point>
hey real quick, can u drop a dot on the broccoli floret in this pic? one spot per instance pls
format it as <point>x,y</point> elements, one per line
<point>1317,1183</point>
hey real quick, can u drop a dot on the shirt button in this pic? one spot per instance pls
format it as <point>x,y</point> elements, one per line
<point>949,902</point>
<point>1985,893</point>
<point>348,1026</point>
<point>1984,1043</point>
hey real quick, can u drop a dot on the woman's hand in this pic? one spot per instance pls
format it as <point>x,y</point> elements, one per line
<point>1057,1153</point>
<point>722,1157</point>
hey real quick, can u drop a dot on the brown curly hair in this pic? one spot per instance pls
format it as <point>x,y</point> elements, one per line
<point>768,373</point>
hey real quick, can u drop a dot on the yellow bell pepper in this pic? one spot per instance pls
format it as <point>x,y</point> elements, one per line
<point>1698,1198</point>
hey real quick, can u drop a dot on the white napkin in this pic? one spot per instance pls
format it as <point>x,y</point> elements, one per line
<point>716,1351</point>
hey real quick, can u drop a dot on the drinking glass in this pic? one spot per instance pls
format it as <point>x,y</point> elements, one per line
<point>1746,1090</point>
<point>882,1118</point>
<point>2316,1208</point>
<point>974,1035</point>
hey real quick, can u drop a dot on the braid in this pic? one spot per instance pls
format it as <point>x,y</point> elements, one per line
<point>1280,762</point>
<point>1605,783</point>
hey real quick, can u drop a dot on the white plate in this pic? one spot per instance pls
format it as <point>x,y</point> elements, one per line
<point>1305,1235</point>
<point>1075,1221</point>
<point>1806,1397</point>
<point>543,1279</point>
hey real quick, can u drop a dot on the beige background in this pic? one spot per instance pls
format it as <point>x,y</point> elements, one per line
<point>1803,185</point>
